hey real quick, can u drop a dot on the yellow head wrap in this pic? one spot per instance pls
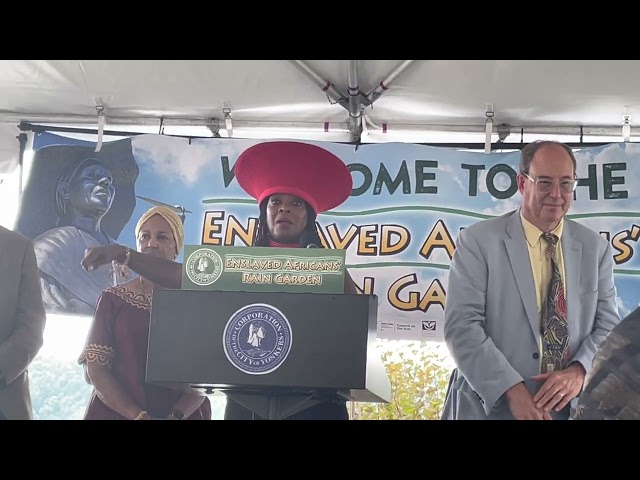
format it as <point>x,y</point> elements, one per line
<point>172,219</point>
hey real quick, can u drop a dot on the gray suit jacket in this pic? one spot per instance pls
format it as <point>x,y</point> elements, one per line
<point>22,321</point>
<point>491,324</point>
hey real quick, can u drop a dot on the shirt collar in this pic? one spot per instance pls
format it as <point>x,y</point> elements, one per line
<point>533,233</point>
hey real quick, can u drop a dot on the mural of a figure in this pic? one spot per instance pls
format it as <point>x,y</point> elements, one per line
<point>76,201</point>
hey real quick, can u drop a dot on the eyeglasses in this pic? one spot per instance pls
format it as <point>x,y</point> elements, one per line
<point>544,185</point>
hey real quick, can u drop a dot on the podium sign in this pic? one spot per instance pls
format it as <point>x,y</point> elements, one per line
<point>263,269</point>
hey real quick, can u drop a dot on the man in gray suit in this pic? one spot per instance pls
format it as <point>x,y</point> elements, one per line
<point>522,347</point>
<point>22,321</point>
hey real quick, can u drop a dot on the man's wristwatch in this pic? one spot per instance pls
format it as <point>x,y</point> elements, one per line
<point>177,414</point>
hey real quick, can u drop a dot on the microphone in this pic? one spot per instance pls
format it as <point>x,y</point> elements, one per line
<point>308,240</point>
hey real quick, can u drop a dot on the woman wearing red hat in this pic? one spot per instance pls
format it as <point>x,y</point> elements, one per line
<point>293,182</point>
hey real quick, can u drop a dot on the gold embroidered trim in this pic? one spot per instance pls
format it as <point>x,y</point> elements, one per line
<point>139,300</point>
<point>97,353</point>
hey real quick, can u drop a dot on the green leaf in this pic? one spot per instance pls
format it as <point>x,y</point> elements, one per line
<point>419,377</point>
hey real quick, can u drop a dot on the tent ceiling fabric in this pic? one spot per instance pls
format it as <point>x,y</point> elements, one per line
<point>543,93</point>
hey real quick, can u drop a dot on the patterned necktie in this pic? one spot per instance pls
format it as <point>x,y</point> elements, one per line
<point>555,334</point>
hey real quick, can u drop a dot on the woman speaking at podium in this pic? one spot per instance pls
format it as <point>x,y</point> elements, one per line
<point>293,182</point>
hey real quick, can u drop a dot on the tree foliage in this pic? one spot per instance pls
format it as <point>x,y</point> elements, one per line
<point>419,375</point>
<point>58,389</point>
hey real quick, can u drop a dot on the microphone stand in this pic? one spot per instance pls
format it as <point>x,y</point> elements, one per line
<point>114,273</point>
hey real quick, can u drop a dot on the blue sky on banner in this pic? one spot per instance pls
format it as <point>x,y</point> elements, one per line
<point>469,186</point>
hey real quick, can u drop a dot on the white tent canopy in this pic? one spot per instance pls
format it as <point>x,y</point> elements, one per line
<point>336,100</point>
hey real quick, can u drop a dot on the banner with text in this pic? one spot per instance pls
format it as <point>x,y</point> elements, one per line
<point>398,228</point>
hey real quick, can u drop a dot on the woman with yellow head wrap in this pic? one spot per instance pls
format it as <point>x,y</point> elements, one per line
<point>172,219</point>
<point>115,352</point>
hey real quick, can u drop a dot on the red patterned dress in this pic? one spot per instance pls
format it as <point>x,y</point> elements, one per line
<point>118,337</point>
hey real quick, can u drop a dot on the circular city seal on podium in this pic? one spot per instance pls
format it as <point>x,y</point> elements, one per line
<point>203,266</point>
<point>257,339</point>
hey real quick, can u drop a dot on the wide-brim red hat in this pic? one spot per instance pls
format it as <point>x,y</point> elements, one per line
<point>307,171</point>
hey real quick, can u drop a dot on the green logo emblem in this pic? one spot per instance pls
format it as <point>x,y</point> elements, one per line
<point>204,267</point>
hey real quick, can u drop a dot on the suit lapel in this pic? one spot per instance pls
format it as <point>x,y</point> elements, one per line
<point>521,266</point>
<point>572,256</point>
